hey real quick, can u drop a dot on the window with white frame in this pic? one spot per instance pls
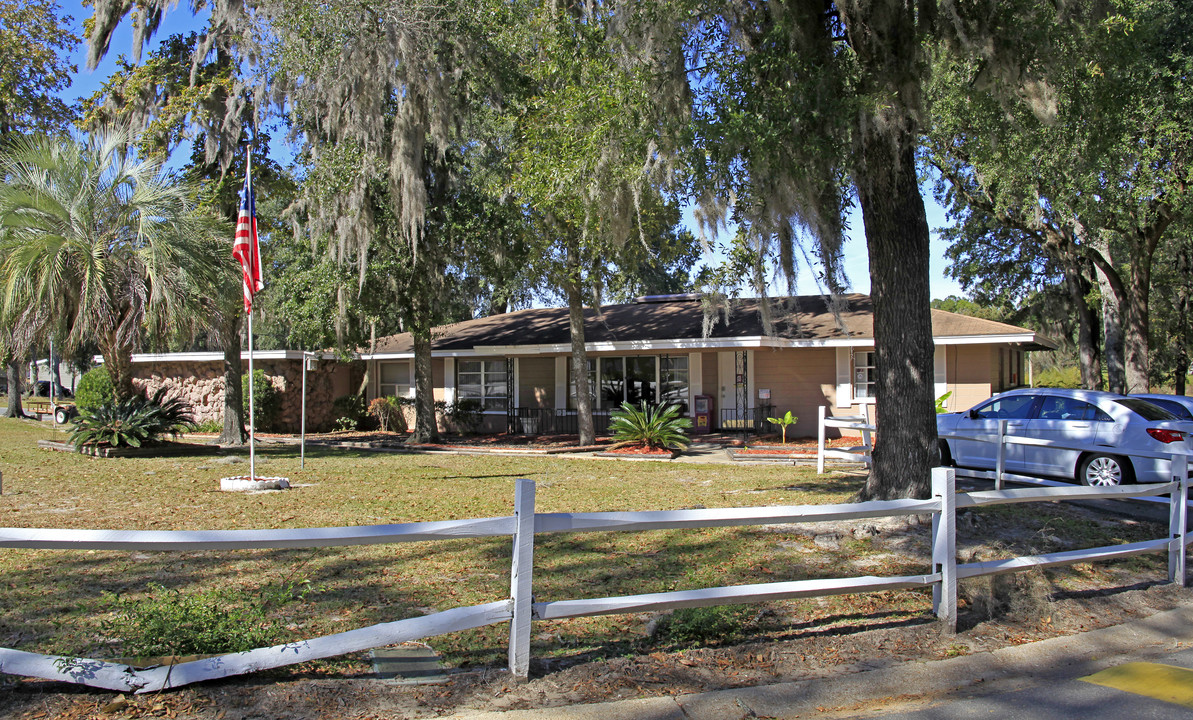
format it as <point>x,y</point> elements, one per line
<point>864,374</point>
<point>394,379</point>
<point>673,381</point>
<point>635,379</point>
<point>485,381</point>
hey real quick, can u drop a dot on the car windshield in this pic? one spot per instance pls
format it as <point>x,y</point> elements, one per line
<point>1145,409</point>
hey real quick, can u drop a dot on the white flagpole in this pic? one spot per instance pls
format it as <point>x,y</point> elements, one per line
<point>248,154</point>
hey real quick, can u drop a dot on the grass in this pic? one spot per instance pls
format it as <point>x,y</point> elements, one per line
<point>56,602</point>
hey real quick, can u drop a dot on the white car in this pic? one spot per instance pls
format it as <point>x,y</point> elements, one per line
<point>1106,427</point>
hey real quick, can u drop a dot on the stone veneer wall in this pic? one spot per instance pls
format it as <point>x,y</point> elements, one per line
<point>202,385</point>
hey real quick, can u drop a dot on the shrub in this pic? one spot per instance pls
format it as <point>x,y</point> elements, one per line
<point>388,413</point>
<point>703,624</point>
<point>94,389</point>
<point>657,426</point>
<point>267,401</point>
<point>463,415</point>
<point>168,622</point>
<point>1064,377</point>
<point>350,412</point>
<point>132,423</point>
<point>209,426</point>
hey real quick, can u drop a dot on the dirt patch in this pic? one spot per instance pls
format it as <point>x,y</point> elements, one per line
<point>783,642</point>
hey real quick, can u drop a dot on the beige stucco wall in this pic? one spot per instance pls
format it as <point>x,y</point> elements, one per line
<point>201,384</point>
<point>799,380</point>
<point>969,374</point>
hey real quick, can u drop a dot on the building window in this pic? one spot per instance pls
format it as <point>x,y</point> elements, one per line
<point>635,379</point>
<point>673,381</point>
<point>864,374</point>
<point>394,380</point>
<point>485,381</point>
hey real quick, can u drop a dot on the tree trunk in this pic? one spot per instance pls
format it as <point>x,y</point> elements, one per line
<point>15,366</point>
<point>1137,325</point>
<point>1087,330</point>
<point>118,360</point>
<point>580,364</point>
<point>426,428</point>
<point>897,237</point>
<point>1112,336</point>
<point>229,337</point>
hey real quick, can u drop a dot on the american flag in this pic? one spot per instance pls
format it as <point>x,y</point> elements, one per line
<point>245,247</point>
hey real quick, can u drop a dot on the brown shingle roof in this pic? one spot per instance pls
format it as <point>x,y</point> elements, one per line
<point>806,317</point>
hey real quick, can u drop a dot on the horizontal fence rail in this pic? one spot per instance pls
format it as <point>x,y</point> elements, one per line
<point>520,609</point>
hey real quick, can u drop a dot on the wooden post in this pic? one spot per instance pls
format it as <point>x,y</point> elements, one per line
<point>1178,514</point>
<point>521,573</point>
<point>944,547</point>
<point>820,441</point>
<point>867,440</point>
<point>1001,463</point>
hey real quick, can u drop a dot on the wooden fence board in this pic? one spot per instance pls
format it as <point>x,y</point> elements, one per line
<point>1068,557</point>
<point>728,517</point>
<point>57,538</point>
<point>725,595</point>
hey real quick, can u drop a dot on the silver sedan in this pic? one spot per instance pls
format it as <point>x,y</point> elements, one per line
<point>1101,432</point>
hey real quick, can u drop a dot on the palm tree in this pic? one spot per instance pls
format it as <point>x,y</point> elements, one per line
<point>110,247</point>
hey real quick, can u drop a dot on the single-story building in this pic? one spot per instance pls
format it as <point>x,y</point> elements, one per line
<point>656,349</point>
<point>725,371</point>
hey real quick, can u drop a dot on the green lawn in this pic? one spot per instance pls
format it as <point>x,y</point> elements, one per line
<point>62,601</point>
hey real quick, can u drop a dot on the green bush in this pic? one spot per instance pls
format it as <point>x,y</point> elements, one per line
<point>703,624</point>
<point>267,401</point>
<point>657,426</point>
<point>387,411</point>
<point>1064,377</point>
<point>168,622</point>
<point>464,416</point>
<point>351,412</point>
<point>132,423</point>
<point>210,426</point>
<point>94,389</point>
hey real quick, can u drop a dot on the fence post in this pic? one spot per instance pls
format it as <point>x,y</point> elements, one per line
<point>867,440</point>
<point>944,546</point>
<point>1178,514</point>
<point>1001,463</point>
<point>820,441</point>
<point>521,573</point>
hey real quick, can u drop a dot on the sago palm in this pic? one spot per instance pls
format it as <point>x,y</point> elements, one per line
<point>110,246</point>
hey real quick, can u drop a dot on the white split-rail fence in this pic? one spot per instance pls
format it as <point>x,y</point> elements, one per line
<point>520,609</point>
<point>862,423</point>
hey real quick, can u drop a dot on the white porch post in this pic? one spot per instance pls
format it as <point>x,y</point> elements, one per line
<point>449,380</point>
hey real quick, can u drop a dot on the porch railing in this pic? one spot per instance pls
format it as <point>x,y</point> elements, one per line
<point>549,421</point>
<point>747,420</point>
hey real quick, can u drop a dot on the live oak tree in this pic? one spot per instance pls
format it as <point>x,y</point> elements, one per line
<point>1095,169</point>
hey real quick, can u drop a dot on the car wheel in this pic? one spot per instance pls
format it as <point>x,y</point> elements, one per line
<point>61,415</point>
<point>946,457</point>
<point>1104,471</point>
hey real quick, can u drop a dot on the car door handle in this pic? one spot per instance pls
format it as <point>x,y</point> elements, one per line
<point>1015,424</point>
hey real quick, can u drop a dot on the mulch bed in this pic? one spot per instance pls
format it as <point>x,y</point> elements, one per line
<point>161,449</point>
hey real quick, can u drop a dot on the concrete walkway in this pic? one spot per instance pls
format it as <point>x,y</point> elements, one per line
<point>907,686</point>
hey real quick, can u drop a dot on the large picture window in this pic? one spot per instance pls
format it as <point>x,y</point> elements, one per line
<point>394,380</point>
<point>485,381</point>
<point>635,379</point>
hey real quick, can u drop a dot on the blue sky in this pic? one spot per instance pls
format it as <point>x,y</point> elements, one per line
<point>856,262</point>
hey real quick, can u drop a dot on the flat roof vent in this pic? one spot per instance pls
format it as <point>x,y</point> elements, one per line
<point>681,297</point>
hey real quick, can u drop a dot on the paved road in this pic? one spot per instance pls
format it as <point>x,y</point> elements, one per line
<point>1076,699</point>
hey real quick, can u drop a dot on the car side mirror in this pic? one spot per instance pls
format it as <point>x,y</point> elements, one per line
<point>972,414</point>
